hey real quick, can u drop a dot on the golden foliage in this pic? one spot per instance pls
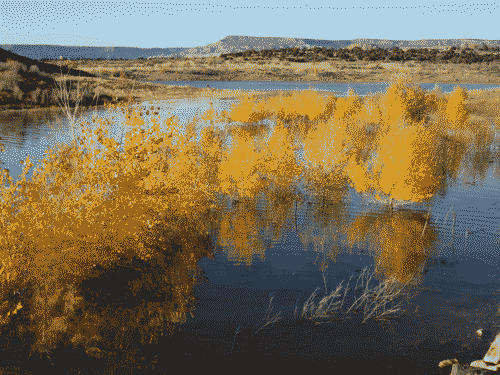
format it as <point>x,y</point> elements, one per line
<point>154,197</point>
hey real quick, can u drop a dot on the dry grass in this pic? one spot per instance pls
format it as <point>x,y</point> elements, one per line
<point>378,302</point>
<point>281,70</point>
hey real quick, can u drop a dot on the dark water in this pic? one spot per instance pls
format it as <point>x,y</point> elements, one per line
<point>458,271</point>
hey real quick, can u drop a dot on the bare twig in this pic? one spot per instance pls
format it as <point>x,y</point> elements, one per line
<point>307,304</point>
<point>446,218</point>
<point>453,227</point>
<point>234,340</point>
<point>324,280</point>
<point>425,226</point>
<point>63,98</point>
<point>345,292</point>
<point>269,321</point>
<point>295,216</point>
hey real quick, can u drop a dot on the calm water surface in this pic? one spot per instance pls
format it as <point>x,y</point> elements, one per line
<point>361,89</point>
<point>459,276</point>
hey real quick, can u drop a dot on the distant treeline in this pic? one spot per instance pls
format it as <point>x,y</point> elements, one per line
<point>453,55</point>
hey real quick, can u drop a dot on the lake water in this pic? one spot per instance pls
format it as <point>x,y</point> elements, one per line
<point>362,89</point>
<point>460,277</point>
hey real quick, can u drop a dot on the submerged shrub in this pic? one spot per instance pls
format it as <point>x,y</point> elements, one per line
<point>147,203</point>
<point>456,111</point>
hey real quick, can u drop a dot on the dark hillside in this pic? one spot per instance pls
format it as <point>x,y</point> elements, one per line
<point>27,83</point>
<point>19,85</point>
<point>43,67</point>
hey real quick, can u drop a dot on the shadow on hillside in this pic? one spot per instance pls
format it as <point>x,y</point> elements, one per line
<point>26,83</point>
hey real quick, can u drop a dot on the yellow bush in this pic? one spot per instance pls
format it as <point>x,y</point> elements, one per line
<point>124,205</point>
<point>97,203</point>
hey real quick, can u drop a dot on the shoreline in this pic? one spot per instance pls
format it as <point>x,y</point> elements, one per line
<point>330,72</point>
<point>451,80</point>
<point>142,89</point>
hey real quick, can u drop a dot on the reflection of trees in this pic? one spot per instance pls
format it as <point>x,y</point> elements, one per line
<point>278,162</point>
<point>250,225</point>
<point>479,139</point>
<point>451,153</point>
<point>240,231</point>
<point>113,309</point>
<point>327,216</point>
<point>400,241</point>
<point>280,212</point>
<point>466,152</point>
<point>496,166</point>
<point>475,167</point>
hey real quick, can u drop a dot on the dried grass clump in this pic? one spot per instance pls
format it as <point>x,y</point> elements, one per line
<point>378,302</point>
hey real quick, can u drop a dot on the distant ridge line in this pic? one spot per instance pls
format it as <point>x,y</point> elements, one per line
<point>237,43</point>
<point>229,44</point>
<point>49,51</point>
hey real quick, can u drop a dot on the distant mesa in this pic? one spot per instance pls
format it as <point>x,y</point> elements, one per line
<point>53,52</point>
<point>237,43</point>
<point>233,44</point>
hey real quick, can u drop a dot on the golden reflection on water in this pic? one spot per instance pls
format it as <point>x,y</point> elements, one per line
<point>239,232</point>
<point>403,146</point>
<point>406,144</point>
<point>399,241</point>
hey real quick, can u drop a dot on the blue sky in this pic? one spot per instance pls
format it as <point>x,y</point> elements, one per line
<point>191,24</point>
